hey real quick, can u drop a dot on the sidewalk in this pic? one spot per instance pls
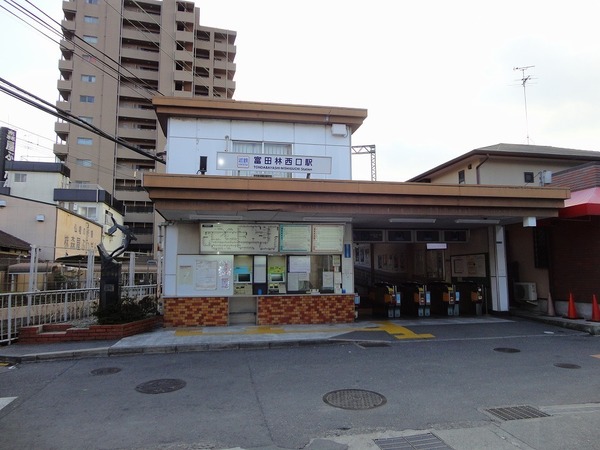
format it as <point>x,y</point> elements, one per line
<point>172,340</point>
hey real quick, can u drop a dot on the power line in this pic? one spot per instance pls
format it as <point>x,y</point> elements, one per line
<point>68,117</point>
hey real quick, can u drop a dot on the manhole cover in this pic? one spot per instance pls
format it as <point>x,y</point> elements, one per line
<point>567,366</point>
<point>160,386</point>
<point>517,412</point>
<point>507,350</point>
<point>105,371</point>
<point>354,399</point>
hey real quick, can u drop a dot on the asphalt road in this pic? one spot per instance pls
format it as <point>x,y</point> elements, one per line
<point>275,397</point>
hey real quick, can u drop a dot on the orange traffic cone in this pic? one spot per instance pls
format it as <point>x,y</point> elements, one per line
<point>595,310</point>
<point>550,310</point>
<point>572,311</point>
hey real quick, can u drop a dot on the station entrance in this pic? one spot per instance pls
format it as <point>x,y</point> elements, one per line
<point>446,276</point>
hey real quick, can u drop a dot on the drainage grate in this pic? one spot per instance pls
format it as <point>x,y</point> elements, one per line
<point>426,441</point>
<point>160,386</point>
<point>567,366</point>
<point>507,350</point>
<point>354,399</point>
<point>105,371</point>
<point>517,413</point>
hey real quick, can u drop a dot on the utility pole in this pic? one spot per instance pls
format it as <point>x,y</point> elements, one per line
<point>524,80</point>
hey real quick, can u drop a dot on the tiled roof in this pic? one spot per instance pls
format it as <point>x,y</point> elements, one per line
<point>10,241</point>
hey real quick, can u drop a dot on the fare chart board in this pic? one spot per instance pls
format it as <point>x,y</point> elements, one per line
<point>239,238</point>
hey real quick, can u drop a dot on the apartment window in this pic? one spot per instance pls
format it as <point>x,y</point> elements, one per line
<point>90,212</point>
<point>88,78</point>
<point>461,177</point>
<point>91,2</point>
<point>84,162</point>
<point>86,119</point>
<point>88,58</point>
<point>528,177</point>
<point>20,177</point>
<point>85,141</point>
<point>86,98</point>
<point>90,39</point>
<point>91,19</point>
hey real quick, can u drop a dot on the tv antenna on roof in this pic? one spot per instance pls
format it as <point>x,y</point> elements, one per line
<point>524,80</point>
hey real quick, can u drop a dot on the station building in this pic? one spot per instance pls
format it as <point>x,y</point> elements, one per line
<point>263,224</point>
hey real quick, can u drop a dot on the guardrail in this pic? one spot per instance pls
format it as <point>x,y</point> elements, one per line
<point>19,309</point>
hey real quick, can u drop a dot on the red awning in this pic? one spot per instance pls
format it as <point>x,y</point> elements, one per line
<point>582,203</point>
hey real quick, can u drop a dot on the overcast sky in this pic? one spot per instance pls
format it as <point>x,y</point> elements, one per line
<point>437,77</point>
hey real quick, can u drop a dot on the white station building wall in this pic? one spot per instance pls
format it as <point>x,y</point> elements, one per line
<point>189,139</point>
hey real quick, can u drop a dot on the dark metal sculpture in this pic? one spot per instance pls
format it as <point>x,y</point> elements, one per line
<point>110,271</point>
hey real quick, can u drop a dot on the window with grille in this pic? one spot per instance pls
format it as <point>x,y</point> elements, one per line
<point>262,148</point>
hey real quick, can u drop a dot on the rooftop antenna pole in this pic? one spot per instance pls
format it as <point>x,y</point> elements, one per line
<point>524,80</point>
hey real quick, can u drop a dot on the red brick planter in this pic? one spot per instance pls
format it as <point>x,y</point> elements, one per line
<point>46,334</point>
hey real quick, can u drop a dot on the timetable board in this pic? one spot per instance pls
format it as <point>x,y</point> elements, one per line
<point>238,238</point>
<point>328,238</point>
<point>295,238</point>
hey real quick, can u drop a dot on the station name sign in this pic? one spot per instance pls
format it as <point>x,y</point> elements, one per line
<point>274,163</point>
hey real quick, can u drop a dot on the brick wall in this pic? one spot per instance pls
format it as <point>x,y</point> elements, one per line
<point>575,248</point>
<point>196,311</point>
<point>305,309</point>
<point>44,334</point>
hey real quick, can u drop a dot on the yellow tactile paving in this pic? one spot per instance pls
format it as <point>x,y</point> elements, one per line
<point>400,332</point>
<point>397,331</point>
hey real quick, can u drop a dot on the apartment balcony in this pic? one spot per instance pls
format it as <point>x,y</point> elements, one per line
<point>64,87</point>
<point>62,129</point>
<point>137,113</point>
<point>223,65</point>
<point>183,94</point>
<point>68,25</point>
<point>140,36</point>
<point>185,16</point>
<point>184,55</point>
<point>143,239</point>
<point>65,65</point>
<point>131,92</point>
<point>137,134</point>
<point>142,17</point>
<point>142,74</point>
<point>140,55</point>
<point>69,6</point>
<point>139,217</point>
<point>132,196</point>
<point>184,36</point>
<point>183,75</point>
<point>65,106</point>
<point>224,47</point>
<point>61,151</point>
<point>67,46</point>
<point>224,83</point>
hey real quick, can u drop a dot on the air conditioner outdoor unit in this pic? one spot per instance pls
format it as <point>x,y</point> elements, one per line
<point>525,292</point>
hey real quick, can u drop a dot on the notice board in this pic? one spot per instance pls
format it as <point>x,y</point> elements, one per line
<point>239,238</point>
<point>205,275</point>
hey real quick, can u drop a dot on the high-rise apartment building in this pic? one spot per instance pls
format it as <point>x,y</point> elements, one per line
<point>117,55</point>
